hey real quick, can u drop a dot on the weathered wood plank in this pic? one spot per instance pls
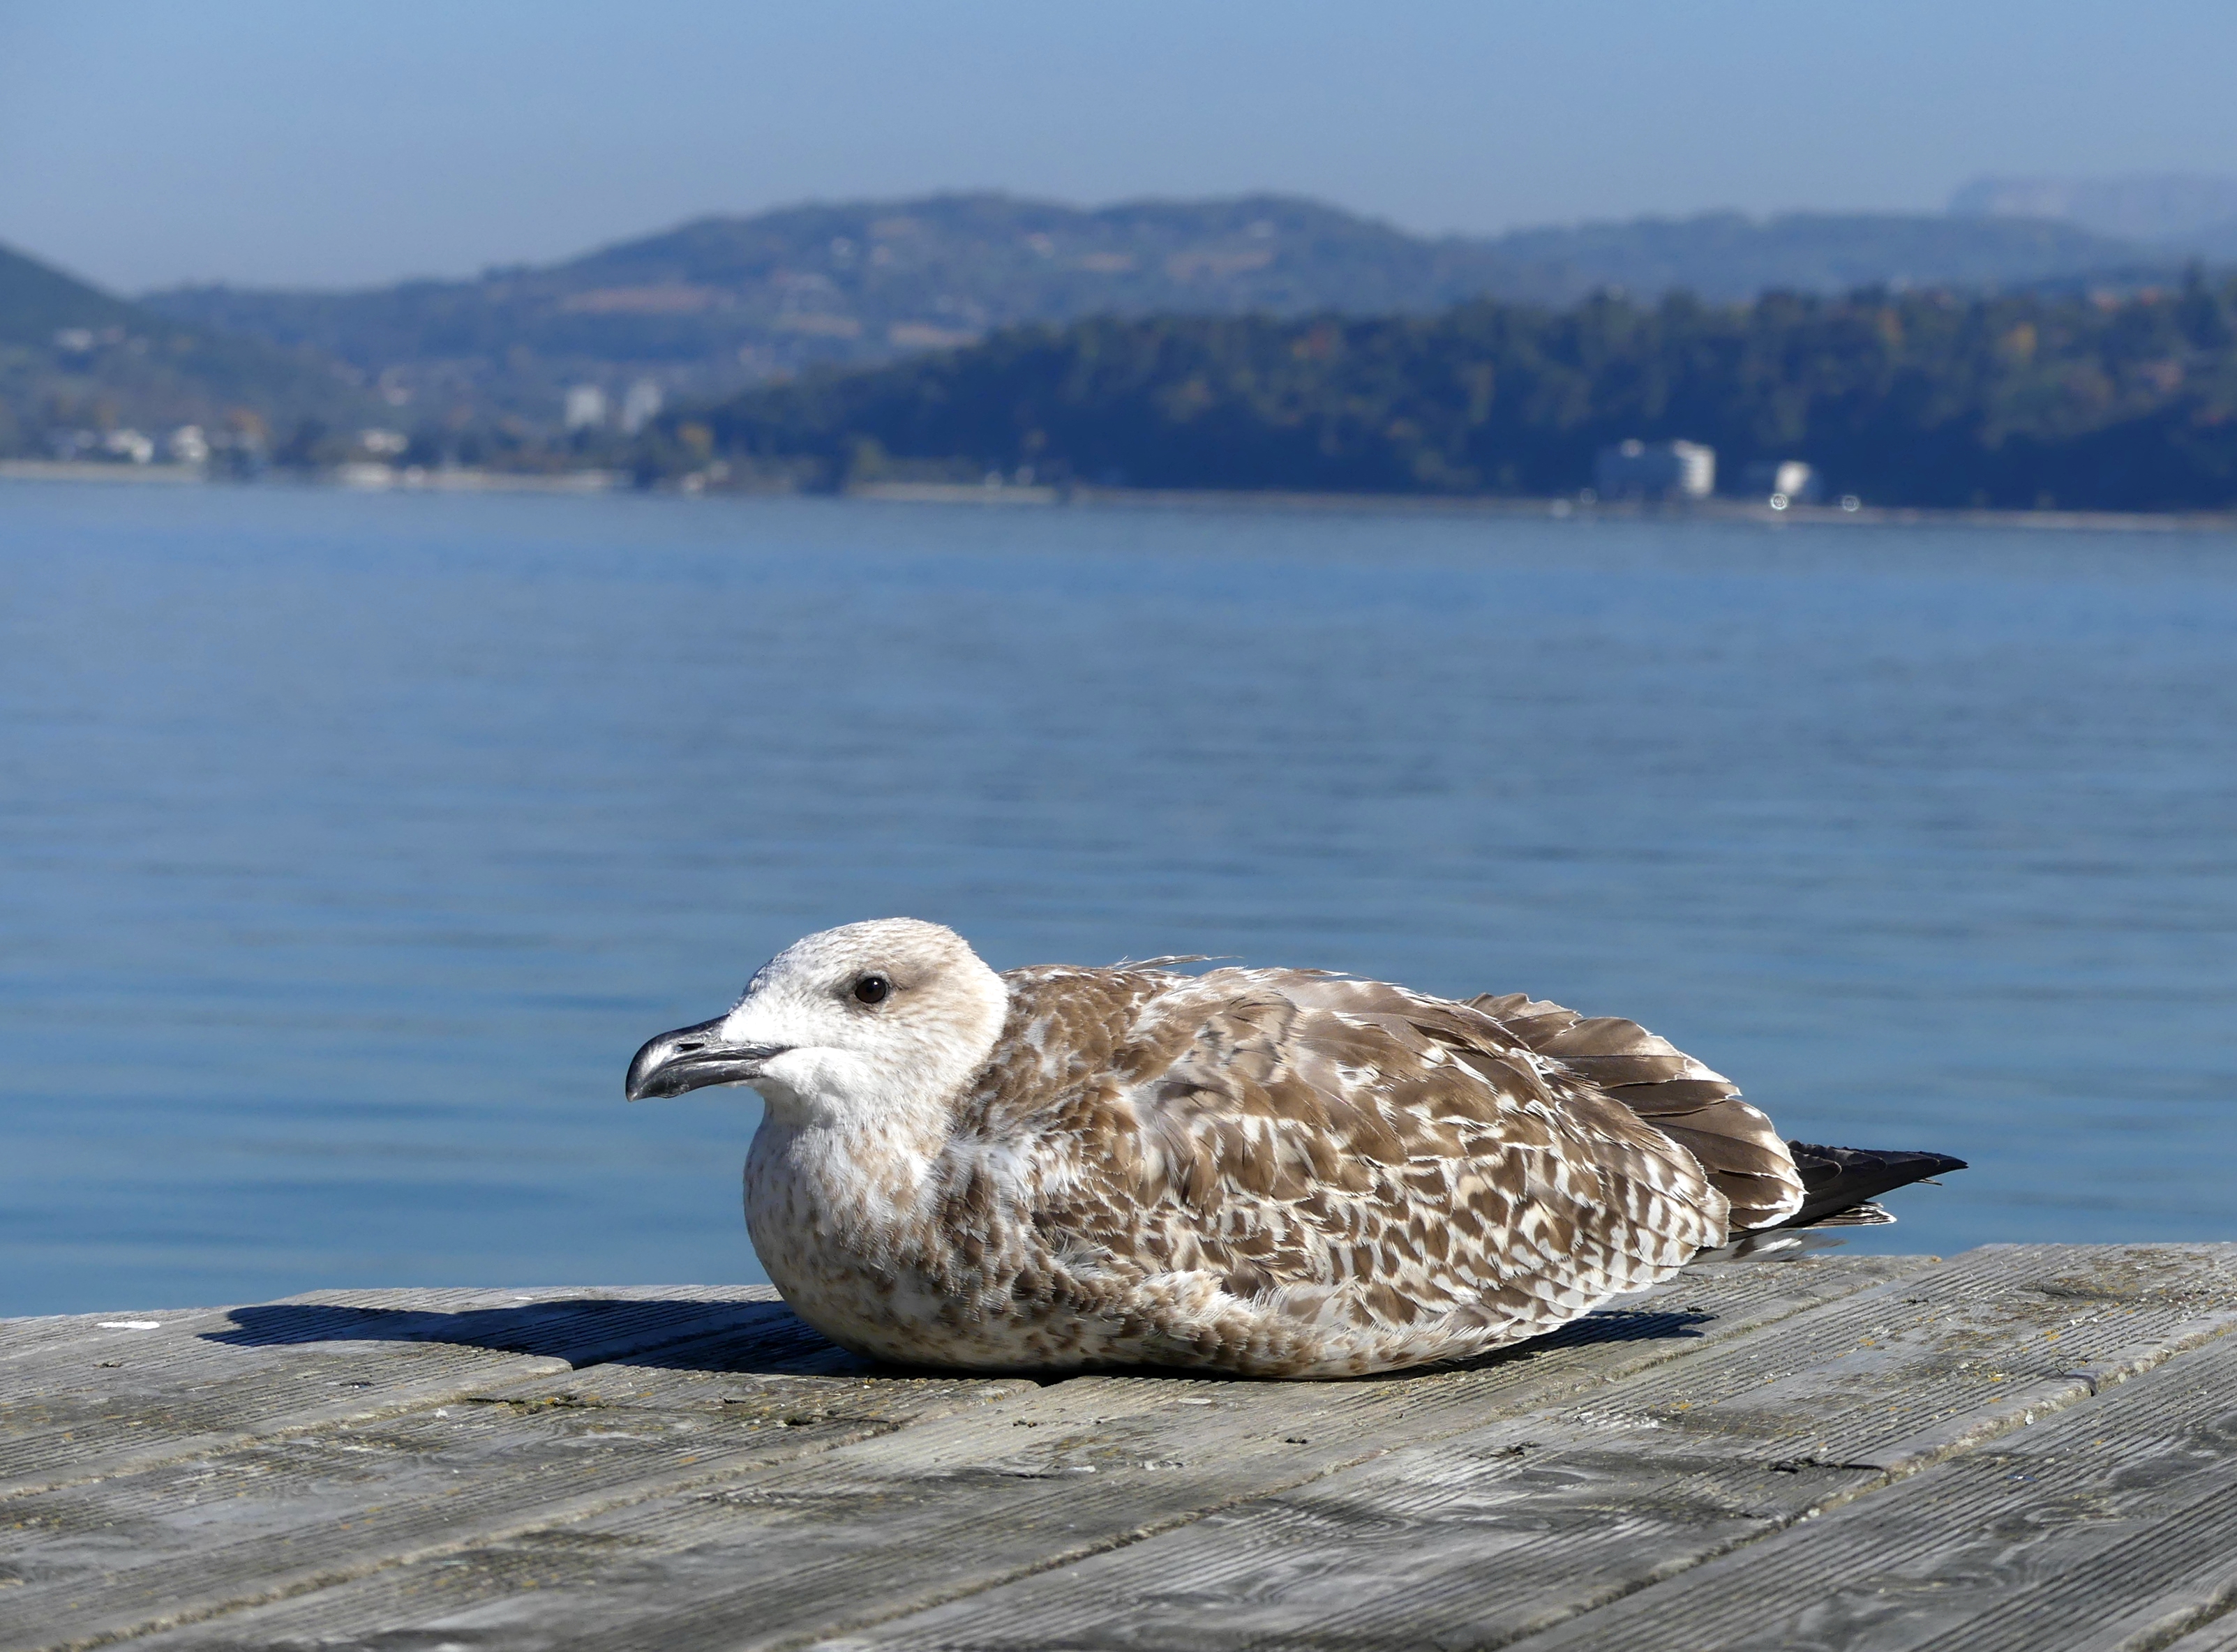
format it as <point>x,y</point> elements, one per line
<point>190,1536</point>
<point>1627,1455</point>
<point>79,1398</point>
<point>2217,1634</point>
<point>1485,1537</point>
<point>786,1550</point>
<point>2113,1525</point>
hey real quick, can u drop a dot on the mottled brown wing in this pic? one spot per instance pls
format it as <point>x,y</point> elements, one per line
<point>1699,1110</point>
<point>1352,1154</point>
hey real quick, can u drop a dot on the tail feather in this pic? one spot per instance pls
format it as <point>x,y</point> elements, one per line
<point>1839,1183</point>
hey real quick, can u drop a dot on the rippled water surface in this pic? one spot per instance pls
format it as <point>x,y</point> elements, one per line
<point>349,845</point>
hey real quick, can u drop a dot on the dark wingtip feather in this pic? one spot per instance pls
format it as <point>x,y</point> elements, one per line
<point>1836,1179</point>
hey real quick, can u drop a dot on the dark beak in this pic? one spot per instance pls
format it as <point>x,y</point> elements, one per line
<point>692,1058</point>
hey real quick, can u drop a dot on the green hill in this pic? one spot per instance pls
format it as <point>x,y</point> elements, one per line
<point>76,364</point>
<point>37,301</point>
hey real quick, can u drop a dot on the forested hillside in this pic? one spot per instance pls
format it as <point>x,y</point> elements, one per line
<point>1918,398</point>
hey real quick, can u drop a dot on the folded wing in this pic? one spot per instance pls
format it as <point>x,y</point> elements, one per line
<point>1701,1111</point>
<point>1340,1153</point>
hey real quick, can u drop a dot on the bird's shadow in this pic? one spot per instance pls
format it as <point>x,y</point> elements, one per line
<point>742,1336</point>
<point>1607,1325</point>
<point>747,1338</point>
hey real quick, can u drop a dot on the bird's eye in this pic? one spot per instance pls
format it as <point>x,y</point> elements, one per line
<point>873,989</point>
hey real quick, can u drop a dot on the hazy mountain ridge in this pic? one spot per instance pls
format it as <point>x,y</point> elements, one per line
<point>476,370</point>
<point>1730,257</point>
<point>725,301</point>
<point>722,301</point>
<point>2181,215</point>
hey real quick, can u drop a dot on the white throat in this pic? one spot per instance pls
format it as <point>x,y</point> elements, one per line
<point>845,1165</point>
<point>843,1090</point>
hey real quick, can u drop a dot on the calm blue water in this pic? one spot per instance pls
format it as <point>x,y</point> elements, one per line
<point>350,845</point>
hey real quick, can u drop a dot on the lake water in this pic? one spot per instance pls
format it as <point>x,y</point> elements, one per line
<point>350,845</point>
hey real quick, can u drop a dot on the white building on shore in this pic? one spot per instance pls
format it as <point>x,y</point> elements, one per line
<point>586,407</point>
<point>640,406</point>
<point>1655,471</point>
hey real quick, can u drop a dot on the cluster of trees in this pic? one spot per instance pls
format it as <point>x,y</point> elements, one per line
<point>2030,400</point>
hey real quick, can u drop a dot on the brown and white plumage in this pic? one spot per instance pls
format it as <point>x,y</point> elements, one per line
<point>1271,1172</point>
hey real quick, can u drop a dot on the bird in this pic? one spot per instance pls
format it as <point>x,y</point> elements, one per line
<point>1275,1173</point>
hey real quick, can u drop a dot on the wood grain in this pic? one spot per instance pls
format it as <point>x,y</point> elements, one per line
<point>96,1393</point>
<point>916,1515</point>
<point>1485,1537</point>
<point>2025,1446</point>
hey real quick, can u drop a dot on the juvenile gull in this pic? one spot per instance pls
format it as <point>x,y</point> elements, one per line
<point>1279,1173</point>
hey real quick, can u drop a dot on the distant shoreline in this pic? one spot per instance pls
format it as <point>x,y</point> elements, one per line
<point>1014,495</point>
<point>363,478</point>
<point>1552,510</point>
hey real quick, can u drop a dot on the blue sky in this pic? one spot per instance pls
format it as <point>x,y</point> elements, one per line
<point>142,143</point>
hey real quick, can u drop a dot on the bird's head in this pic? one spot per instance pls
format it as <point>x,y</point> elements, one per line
<point>853,1022</point>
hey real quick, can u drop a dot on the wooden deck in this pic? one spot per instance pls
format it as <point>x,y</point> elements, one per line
<point>2024,1447</point>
